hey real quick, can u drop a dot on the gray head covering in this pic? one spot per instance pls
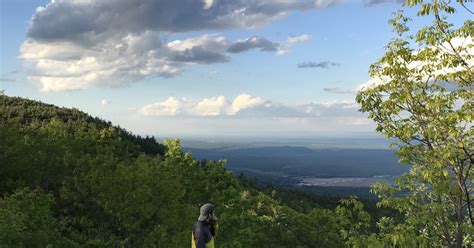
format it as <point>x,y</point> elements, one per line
<point>206,209</point>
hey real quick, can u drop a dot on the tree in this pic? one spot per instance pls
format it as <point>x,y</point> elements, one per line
<point>26,220</point>
<point>421,93</point>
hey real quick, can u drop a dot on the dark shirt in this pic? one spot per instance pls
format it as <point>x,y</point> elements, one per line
<point>203,233</point>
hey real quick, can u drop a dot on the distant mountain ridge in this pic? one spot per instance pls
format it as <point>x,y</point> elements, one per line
<point>275,150</point>
<point>296,161</point>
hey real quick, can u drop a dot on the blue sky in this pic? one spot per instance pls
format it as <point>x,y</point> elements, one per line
<point>224,68</point>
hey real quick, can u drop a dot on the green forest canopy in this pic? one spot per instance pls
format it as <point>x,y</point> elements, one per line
<point>72,180</point>
<point>78,181</point>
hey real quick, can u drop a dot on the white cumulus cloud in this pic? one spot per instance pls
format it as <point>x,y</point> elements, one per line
<point>214,106</point>
<point>169,107</point>
<point>245,101</point>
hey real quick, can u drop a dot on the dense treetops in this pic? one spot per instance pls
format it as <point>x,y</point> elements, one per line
<point>424,98</point>
<point>26,111</point>
<point>72,180</point>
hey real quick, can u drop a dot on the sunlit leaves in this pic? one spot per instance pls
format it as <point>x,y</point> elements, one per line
<point>426,103</point>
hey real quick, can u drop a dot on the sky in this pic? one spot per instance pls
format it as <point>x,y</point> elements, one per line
<point>199,68</point>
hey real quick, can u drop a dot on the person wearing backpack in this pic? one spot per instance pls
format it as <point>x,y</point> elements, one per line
<point>204,229</point>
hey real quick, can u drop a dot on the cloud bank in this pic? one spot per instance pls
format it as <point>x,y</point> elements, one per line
<point>89,21</point>
<point>247,106</point>
<point>251,115</point>
<point>63,66</point>
<point>78,44</point>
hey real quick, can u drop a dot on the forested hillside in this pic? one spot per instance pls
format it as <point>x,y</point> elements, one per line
<point>72,180</point>
<point>24,111</point>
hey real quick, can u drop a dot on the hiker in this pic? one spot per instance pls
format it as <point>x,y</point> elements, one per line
<point>204,229</point>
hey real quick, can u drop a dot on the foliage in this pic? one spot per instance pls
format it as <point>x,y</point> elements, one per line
<point>424,98</point>
<point>89,186</point>
<point>24,111</point>
<point>26,220</point>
